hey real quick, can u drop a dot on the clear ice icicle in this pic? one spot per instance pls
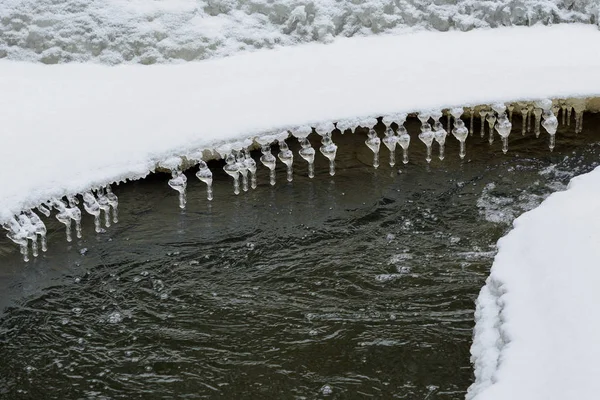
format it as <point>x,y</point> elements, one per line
<point>91,206</point>
<point>579,108</point>
<point>511,109</point>
<point>40,228</point>
<point>563,107</point>
<point>482,113</point>
<point>105,205</point>
<point>423,116</point>
<point>524,113</point>
<point>44,209</point>
<point>529,114</point>
<point>537,112</point>
<point>205,175</point>
<point>287,157</point>
<point>308,154</point>
<point>504,127</point>
<point>239,160</point>
<point>550,123</point>
<point>113,200</point>
<point>63,216</point>
<point>268,161</point>
<point>30,232</point>
<point>232,169</point>
<point>404,142</point>
<point>439,134</point>
<point>491,119</point>
<point>178,182</point>
<point>460,132</point>
<point>390,141</point>
<point>329,150</point>
<point>373,142</point>
<point>471,119</point>
<point>436,115</point>
<point>569,110</point>
<point>427,137</point>
<point>251,165</point>
<point>18,235</point>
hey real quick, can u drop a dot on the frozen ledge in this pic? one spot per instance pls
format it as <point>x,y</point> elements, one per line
<point>536,335</point>
<point>68,128</point>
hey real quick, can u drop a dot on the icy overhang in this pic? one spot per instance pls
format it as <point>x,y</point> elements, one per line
<point>67,128</point>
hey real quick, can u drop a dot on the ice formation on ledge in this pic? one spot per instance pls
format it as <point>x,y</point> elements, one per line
<point>27,227</point>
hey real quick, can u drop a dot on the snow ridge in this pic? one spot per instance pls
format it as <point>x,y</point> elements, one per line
<point>158,31</point>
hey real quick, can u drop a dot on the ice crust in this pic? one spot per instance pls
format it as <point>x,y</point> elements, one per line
<point>536,326</point>
<point>68,128</point>
<point>157,31</point>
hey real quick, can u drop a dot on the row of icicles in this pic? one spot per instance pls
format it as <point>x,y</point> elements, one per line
<point>27,228</point>
<point>242,167</point>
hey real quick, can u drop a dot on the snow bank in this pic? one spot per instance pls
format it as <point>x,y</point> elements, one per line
<point>156,31</point>
<point>66,128</point>
<point>536,335</point>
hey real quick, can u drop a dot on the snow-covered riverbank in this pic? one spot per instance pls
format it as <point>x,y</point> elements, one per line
<point>70,127</point>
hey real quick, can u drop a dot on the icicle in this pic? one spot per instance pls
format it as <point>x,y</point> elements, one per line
<point>511,109</point>
<point>550,123</point>
<point>90,204</point>
<point>232,169</point>
<point>436,115</point>
<point>390,141</point>
<point>206,176</point>
<point>563,107</point>
<point>491,119</point>
<point>178,182</point>
<point>524,113</point>
<point>268,160</point>
<point>537,112</point>
<point>287,157</point>
<point>105,204</point>
<point>482,113</point>
<point>113,201</point>
<point>30,233</point>
<point>44,209</point>
<point>63,216</point>
<point>426,137</point>
<point>423,117</point>
<point>239,161</point>
<point>460,132</point>
<point>504,127</point>
<point>569,110</point>
<point>579,108</point>
<point>329,150</point>
<point>404,142</point>
<point>529,114</point>
<point>306,151</point>
<point>373,142</point>
<point>471,119</point>
<point>18,235</point>
<point>40,228</point>
<point>439,134</point>
<point>251,165</point>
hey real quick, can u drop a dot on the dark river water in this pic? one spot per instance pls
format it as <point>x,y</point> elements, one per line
<point>357,286</point>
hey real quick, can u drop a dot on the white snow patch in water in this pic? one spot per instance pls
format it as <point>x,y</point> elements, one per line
<point>536,334</point>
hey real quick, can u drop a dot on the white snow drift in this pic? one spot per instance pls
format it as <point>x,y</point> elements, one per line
<point>537,328</point>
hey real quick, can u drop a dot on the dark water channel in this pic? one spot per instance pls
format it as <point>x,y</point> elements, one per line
<point>357,286</point>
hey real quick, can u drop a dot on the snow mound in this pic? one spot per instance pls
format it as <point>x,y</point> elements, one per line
<point>157,31</point>
<point>536,328</point>
<point>68,128</point>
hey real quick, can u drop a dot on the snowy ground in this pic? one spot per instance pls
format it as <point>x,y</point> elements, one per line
<point>70,127</point>
<point>156,31</point>
<point>536,332</point>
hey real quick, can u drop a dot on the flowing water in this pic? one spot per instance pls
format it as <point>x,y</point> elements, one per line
<point>357,286</point>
